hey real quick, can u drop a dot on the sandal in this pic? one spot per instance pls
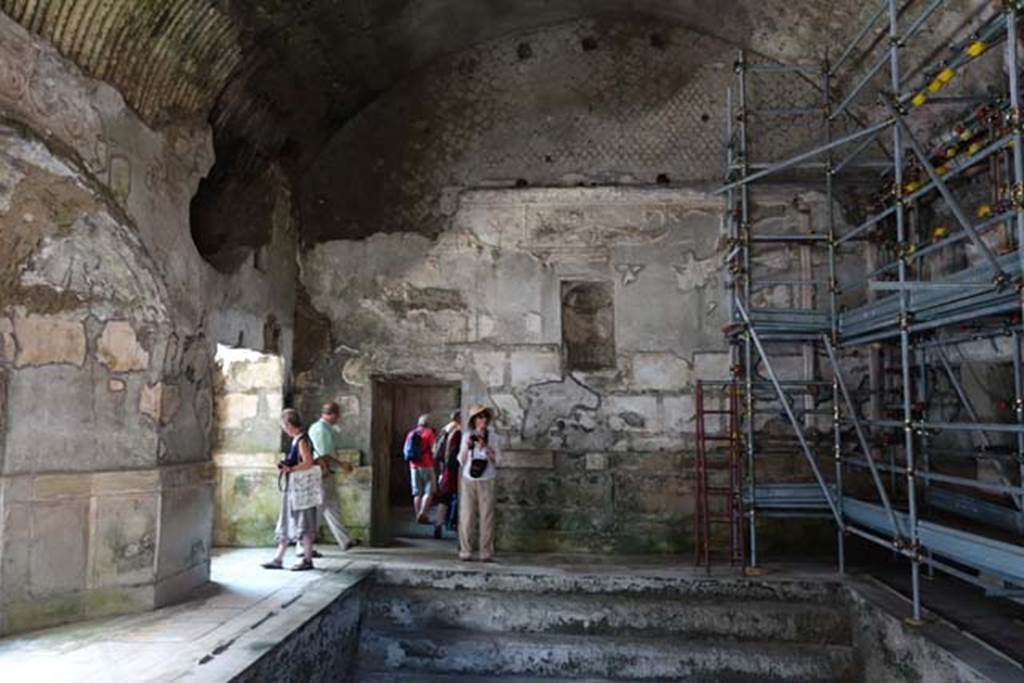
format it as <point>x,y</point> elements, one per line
<point>303,566</point>
<point>273,564</point>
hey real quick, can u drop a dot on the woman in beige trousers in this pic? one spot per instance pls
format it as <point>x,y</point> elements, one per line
<point>479,457</point>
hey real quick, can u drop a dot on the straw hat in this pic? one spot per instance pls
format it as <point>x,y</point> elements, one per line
<point>480,410</point>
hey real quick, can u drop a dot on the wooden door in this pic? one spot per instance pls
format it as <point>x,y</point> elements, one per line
<point>411,401</point>
<point>396,407</point>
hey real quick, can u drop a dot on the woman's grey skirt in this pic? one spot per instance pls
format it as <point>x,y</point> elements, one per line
<point>292,525</point>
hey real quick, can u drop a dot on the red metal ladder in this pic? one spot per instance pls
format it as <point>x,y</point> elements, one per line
<point>719,452</point>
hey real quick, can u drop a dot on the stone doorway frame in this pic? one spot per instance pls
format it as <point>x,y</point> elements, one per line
<point>381,416</point>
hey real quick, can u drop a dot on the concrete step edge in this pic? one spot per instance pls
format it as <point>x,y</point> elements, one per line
<point>424,609</point>
<point>600,656</point>
<point>498,579</point>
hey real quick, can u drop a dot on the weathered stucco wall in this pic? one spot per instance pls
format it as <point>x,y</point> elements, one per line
<point>598,460</point>
<point>248,388</point>
<point>593,457</point>
<point>108,317</point>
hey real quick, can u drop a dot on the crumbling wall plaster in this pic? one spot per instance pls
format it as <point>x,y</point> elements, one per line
<point>109,317</point>
<point>597,461</point>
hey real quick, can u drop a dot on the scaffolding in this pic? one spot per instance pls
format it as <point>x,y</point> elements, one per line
<point>904,315</point>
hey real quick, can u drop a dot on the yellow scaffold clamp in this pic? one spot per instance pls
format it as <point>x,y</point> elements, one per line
<point>919,99</point>
<point>977,48</point>
<point>940,231</point>
<point>984,211</point>
<point>942,79</point>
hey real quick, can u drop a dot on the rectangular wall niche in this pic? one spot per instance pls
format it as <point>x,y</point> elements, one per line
<point>588,325</point>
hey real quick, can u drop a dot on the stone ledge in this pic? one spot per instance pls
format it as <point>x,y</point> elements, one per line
<point>591,196</point>
<point>31,488</point>
<point>255,461</point>
<point>528,459</point>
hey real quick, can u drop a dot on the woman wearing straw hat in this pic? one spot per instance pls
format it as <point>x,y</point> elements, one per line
<point>479,457</point>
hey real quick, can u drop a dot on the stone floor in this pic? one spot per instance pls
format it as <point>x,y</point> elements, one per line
<point>186,641</point>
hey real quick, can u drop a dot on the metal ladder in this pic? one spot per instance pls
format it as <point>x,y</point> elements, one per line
<point>719,452</point>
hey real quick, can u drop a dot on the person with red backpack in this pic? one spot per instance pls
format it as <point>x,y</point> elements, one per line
<point>418,451</point>
<point>446,460</point>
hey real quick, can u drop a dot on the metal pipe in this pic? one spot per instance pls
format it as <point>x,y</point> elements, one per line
<point>924,400</point>
<point>961,395</point>
<point>872,72</point>
<point>1013,75</point>
<point>973,414</point>
<point>963,339</point>
<point>884,286</point>
<point>860,36</point>
<point>1018,403</point>
<point>748,352</point>
<point>919,22</point>
<point>940,426</point>
<point>929,186</point>
<point>861,437</point>
<point>885,543</point>
<point>811,458</point>
<point>947,479</point>
<point>833,308</point>
<point>856,152</point>
<point>951,201</point>
<point>783,165</point>
<point>908,441</point>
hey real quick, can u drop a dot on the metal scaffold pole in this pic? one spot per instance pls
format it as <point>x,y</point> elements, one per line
<point>1017,194</point>
<point>748,349</point>
<point>907,385</point>
<point>830,217</point>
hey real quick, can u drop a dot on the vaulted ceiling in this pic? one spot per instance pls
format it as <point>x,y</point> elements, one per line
<point>276,78</point>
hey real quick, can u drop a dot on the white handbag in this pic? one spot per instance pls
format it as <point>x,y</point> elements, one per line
<point>305,489</point>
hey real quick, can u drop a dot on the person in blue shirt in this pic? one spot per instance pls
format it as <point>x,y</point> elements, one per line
<point>321,433</point>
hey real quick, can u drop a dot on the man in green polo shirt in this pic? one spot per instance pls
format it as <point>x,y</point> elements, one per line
<point>321,433</point>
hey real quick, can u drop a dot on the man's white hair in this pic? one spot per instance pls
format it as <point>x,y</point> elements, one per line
<point>423,420</point>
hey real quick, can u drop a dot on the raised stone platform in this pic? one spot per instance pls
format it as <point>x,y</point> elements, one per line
<point>414,613</point>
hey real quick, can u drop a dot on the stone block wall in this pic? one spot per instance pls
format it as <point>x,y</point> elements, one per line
<point>247,445</point>
<point>108,321</point>
<point>597,460</point>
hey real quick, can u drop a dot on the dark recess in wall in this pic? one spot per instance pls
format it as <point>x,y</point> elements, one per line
<point>230,215</point>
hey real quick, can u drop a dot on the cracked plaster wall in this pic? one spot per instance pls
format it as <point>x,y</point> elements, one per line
<point>597,461</point>
<point>108,318</point>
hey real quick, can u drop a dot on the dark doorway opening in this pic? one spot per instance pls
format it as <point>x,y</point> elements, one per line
<point>396,406</point>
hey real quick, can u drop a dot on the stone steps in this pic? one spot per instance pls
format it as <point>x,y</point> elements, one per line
<point>610,657</point>
<point>693,587</point>
<point>427,609</point>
